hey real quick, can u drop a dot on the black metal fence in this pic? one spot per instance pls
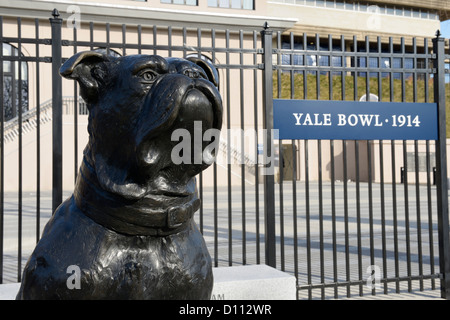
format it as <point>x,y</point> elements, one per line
<point>384,217</point>
<point>344,217</point>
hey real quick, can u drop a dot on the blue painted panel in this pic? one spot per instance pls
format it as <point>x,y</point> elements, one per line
<point>354,120</point>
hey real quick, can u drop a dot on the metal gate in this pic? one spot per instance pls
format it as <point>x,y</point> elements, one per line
<point>369,217</point>
<point>345,217</point>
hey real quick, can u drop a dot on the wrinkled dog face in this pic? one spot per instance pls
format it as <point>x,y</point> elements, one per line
<point>135,103</point>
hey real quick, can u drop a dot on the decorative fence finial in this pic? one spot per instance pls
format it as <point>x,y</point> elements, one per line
<point>55,13</point>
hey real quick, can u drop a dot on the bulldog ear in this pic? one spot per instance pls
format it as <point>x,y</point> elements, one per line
<point>208,67</point>
<point>86,68</point>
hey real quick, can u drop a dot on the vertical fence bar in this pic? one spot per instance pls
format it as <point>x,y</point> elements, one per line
<point>281,204</point>
<point>358,217</point>
<point>382,186</point>
<point>333,218</point>
<point>333,176</point>
<point>56,24</point>
<point>355,73</point>
<point>38,137</point>
<point>318,64</point>
<point>229,170</point>
<point>2,154</point>
<point>199,55</point>
<point>383,215</point>
<point>321,217</point>
<point>346,219</point>
<point>108,38</point>
<point>319,165</point>
<point>216,218</point>
<point>20,160</point>
<point>243,164</point>
<point>307,189</point>
<point>75,107</point>
<point>394,217</point>
<point>405,175</point>
<point>370,194</point>
<point>429,171</point>
<point>169,41</point>
<point>418,221</point>
<point>155,39</point>
<point>139,31</point>
<point>369,164</point>
<point>256,95</point>
<point>330,64</point>
<point>184,35</point>
<point>91,35</point>
<point>308,218</point>
<point>294,173</point>
<point>294,211</point>
<point>345,175</point>
<point>305,63</point>
<point>357,173</point>
<point>430,216</point>
<point>441,164</point>
<point>393,166</point>
<point>280,165</point>
<point>406,198</point>
<point>269,179</point>
<point>124,39</point>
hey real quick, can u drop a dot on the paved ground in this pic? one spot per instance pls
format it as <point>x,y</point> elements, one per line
<point>409,236</point>
<point>329,255</point>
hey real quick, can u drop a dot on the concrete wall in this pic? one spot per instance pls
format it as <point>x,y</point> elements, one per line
<point>29,156</point>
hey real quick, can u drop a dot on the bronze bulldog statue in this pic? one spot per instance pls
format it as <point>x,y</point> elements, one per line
<point>128,228</point>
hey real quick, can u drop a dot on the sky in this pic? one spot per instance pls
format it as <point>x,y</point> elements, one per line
<point>445,29</point>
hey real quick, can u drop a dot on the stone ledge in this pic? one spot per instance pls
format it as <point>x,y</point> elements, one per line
<point>257,282</point>
<point>9,291</point>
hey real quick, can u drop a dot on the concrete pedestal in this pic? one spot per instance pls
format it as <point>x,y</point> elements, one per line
<point>258,282</point>
<point>9,291</point>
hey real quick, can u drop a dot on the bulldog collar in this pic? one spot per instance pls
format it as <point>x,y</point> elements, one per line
<point>153,215</point>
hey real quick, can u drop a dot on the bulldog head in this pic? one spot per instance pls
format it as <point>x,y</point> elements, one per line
<point>135,103</point>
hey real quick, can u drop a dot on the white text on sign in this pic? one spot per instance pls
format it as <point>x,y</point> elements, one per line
<point>364,120</point>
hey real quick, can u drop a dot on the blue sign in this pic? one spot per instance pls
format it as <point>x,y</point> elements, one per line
<point>354,120</point>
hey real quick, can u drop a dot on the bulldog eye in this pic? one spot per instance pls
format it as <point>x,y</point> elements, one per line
<point>148,76</point>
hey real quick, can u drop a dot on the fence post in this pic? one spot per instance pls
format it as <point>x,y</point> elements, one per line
<point>441,159</point>
<point>269,178</point>
<point>56,24</point>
